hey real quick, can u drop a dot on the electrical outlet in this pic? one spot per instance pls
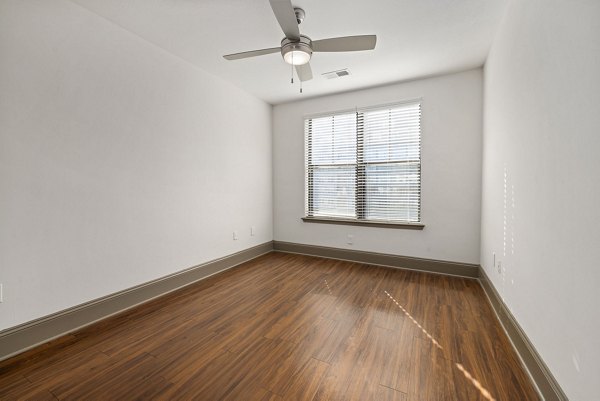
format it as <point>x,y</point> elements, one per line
<point>499,268</point>
<point>350,239</point>
<point>235,235</point>
<point>1,294</point>
<point>252,231</point>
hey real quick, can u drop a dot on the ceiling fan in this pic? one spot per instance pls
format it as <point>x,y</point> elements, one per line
<point>297,49</point>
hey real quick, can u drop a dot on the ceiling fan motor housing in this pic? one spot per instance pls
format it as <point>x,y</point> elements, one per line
<point>300,14</point>
<point>296,52</point>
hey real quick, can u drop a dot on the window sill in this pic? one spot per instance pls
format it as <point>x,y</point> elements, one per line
<point>352,222</point>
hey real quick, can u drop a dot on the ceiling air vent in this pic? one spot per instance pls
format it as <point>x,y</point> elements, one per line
<point>336,74</point>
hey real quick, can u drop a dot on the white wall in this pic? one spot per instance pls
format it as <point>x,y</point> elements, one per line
<point>119,163</point>
<point>541,175</point>
<point>451,170</point>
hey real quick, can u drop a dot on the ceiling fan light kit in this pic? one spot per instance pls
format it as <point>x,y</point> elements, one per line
<point>296,53</point>
<point>297,49</point>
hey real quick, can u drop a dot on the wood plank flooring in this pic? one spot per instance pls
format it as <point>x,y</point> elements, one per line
<point>286,327</point>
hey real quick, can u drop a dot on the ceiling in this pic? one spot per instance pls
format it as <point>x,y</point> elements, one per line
<point>415,38</point>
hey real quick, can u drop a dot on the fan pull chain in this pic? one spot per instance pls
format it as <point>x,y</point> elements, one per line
<point>300,86</point>
<point>292,65</point>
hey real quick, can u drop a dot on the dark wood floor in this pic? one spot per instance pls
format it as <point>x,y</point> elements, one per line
<point>287,327</point>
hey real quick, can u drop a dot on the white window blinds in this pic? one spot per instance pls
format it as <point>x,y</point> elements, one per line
<point>365,165</point>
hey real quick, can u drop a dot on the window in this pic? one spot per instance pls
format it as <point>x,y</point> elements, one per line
<point>365,166</point>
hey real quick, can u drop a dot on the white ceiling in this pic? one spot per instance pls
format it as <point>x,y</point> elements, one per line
<point>415,38</point>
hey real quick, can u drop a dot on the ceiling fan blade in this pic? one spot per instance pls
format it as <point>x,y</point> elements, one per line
<point>345,44</point>
<point>284,12</point>
<point>252,53</point>
<point>304,72</point>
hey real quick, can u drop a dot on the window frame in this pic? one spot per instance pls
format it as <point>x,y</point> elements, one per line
<point>360,165</point>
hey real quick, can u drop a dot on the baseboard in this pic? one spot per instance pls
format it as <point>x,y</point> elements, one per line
<point>540,374</point>
<point>383,259</point>
<point>28,335</point>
